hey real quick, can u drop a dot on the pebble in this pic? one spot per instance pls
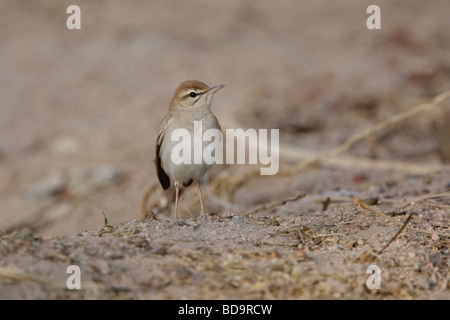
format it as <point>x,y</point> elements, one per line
<point>50,186</point>
<point>84,181</point>
<point>25,234</point>
<point>80,181</point>
<point>58,211</point>
<point>65,145</point>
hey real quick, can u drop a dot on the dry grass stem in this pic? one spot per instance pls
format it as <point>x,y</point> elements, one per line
<point>275,204</point>
<point>146,193</point>
<point>17,275</point>
<point>328,235</point>
<point>363,206</point>
<point>397,234</point>
<point>227,183</point>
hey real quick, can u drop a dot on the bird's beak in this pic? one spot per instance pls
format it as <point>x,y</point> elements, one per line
<point>214,89</point>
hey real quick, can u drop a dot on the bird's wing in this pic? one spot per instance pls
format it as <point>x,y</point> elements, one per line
<point>164,179</point>
<point>217,123</point>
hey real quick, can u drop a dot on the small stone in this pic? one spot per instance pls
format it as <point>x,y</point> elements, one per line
<point>161,250</point>
<point>143,244</point>
<point>84,181</point>
<point>58,211</point>
<point>52,185</point>
<point>25,234</point>
<point>183,272</point>
<point>65,145</point>
<point>114,255</point>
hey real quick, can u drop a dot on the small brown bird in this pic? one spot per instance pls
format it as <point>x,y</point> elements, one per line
<point>191,102</point>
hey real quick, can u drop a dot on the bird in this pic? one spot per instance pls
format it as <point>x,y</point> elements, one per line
<point>191,102</point>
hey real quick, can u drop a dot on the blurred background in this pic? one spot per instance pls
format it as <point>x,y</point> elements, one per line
<point>80,109</point>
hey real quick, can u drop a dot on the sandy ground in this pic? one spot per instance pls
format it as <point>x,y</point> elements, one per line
<point>79,114</point>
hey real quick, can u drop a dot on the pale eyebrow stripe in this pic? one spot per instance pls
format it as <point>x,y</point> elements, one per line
<point>197,92</point>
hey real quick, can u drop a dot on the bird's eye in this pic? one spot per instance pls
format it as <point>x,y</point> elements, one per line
<point>193,94</point>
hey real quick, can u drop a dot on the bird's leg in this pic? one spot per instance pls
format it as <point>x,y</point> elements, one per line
<point>203,212</point>
<point>177,191</point>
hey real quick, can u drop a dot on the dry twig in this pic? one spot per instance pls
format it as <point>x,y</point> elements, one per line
<point>228,183</point>
<point>360,204</point>
<point>275,204</point>
<point>397,234</point>
<point>17,274</point>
